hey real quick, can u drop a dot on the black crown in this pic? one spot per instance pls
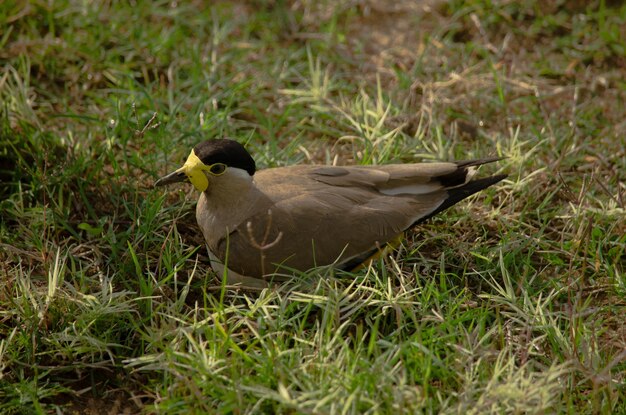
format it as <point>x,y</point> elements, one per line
<point>226,151</point>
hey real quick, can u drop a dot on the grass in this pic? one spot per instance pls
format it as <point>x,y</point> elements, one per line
<point>512,302</point>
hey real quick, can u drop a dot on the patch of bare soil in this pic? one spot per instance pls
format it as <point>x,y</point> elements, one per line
<point>391,35</point>
<point>113,404</point>
<point>103,392</point>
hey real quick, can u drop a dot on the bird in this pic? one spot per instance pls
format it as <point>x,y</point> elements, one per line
<point>269,223</point>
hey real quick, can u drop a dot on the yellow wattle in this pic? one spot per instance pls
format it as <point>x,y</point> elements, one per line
<point>193,169</point>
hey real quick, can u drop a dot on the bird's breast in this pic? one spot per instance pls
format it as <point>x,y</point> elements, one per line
<point>217,217</point>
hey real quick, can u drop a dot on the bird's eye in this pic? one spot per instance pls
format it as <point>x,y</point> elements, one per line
<point>217,169</point>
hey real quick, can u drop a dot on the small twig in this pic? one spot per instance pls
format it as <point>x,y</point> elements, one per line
<point>147,126</point>
<point>483,33</point>
<point>263,246</point>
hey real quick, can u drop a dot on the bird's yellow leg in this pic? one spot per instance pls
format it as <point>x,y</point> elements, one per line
<point>381,252</point>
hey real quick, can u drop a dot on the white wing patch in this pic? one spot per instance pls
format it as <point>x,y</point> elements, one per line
<point>412,189</point>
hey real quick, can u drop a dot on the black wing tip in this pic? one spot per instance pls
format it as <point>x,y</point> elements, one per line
<point>459,177</point>
<point>478,162</point>
<point>462,192</point>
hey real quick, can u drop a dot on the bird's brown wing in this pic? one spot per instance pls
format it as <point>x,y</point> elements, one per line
<point>324,215</point>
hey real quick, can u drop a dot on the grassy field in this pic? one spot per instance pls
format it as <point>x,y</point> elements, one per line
<point>512,302</point>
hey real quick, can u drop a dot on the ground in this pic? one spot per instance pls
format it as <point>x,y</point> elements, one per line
<point>511,302</point>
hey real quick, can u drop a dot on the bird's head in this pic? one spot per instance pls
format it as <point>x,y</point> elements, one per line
<point>210,160</point>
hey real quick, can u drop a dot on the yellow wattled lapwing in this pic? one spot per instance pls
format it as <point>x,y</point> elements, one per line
<point>260,223</point>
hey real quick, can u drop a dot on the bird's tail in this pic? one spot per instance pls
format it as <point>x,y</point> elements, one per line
<point>456,193</point>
